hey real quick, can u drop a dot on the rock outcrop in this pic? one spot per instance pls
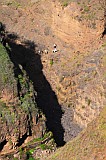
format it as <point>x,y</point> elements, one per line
<point>90,144</point>
<point>19,115</point>
<point>72,87</point>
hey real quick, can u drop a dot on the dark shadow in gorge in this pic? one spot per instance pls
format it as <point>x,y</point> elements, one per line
<point>104,32</point>
<point>26,55</point>
<point>2,144</point>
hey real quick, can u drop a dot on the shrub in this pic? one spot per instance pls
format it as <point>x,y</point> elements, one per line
<point>51,62</point>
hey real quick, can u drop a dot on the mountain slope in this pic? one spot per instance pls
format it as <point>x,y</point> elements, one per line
<point>70,84</point>
<point>90,144</point>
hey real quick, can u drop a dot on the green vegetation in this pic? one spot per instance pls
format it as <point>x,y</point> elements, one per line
<point>47,135</point>
<point>9,83</point>
<point>83,107</point>
<point>21,152</point>
<point>31,158</point>
<point>15,159</point>
<point>65,2</point>
<point>44,146</point>
<point>26,92</point>
<point>31,151</point>
<point>29,154</point>
<point>6,70</point>
<point>86,8</point>
<point>104,44</point>
<point>88,101</point>
<point>51,62</point>
<point>6,114</point>
<point>13,3</point>
<point>40,143</point>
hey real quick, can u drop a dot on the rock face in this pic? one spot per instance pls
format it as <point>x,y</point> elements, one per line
<point>79,23</point>
<point>80,88</point>
<point>90,144</point>
<point>75,74</point>
<point>78,77</point>
<point>19,115</point>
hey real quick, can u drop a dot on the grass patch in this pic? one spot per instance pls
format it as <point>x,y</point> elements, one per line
<point>65,2</point>
<point>13,4</point>
<point>44,146</point>
<point>86,9</point>
<point>51,62</point>
<point>104,44</point>
<point>5,67</point>
<point>47,135</point>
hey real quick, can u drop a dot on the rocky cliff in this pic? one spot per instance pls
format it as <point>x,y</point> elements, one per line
<point>90,144</point>
<point>70,85</point>
<point>19,115</point>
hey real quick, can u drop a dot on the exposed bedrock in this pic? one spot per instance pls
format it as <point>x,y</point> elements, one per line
<point>69,85</point>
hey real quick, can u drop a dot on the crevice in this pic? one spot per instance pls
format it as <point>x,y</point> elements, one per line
<point>2,144</point>
<point>21,140</point>
<point>29,123</point>
<point>26,55</point>
<point>104,33</point>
